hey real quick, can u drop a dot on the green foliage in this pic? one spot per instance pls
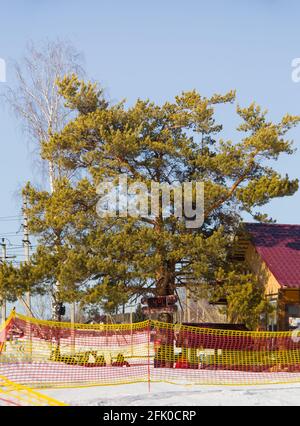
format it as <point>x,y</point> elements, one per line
<point>245,297</point>
<point>109,260</point>
<point>109,295</point>
<point>79,96</point>
<point>139,316</point>
<point>14,282</point>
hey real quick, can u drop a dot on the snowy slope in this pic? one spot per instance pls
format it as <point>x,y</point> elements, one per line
<point>162,394</point>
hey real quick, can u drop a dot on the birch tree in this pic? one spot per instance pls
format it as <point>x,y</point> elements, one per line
<point>37,103</point>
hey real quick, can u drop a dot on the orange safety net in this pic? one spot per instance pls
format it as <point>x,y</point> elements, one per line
<point>51,354</point>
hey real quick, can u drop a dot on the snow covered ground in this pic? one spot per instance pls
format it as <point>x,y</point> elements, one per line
<point>163,394</point>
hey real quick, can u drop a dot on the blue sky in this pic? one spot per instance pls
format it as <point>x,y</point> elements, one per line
<point>155,50</point>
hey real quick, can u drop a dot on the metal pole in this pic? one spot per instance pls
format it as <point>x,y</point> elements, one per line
<point>188,307</point>
<point>131,330</point>
<point>73,312</point>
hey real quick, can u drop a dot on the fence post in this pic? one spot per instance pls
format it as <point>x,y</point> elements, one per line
<point>131,332</point>
<point>73,312</point>
<point>149,340</point>
<point>3,330</point>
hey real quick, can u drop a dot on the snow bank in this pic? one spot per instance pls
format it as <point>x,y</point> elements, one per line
<point>162,394</point>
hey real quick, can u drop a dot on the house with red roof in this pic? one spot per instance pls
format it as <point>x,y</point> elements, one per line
<point>272,252</point>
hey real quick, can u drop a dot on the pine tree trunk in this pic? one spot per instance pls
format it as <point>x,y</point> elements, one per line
<point>165,287</point>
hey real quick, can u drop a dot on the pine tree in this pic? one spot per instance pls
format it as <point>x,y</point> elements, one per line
<point>177,141</point>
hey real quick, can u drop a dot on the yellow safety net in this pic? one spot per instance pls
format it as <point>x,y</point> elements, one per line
<point>15,394</point>
<point>47,354</point>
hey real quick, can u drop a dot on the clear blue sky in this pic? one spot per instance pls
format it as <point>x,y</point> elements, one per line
<point>155,50</point>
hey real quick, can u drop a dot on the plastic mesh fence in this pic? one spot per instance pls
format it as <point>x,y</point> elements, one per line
<point>49,354</point>
<point>14,394</point>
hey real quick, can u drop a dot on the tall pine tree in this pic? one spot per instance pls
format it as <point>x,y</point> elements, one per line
<point>178,141</point>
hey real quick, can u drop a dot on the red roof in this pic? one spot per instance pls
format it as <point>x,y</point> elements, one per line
<point>279,247</point>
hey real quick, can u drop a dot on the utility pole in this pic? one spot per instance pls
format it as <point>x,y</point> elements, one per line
<point>188,304</point>
<point>4,257</point>
<point>26,243</point>
<point>3,302</point>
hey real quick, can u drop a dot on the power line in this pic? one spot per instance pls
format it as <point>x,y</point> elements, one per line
<point>10,234</point>
<point>11,220</point>
<point>11,217</point>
